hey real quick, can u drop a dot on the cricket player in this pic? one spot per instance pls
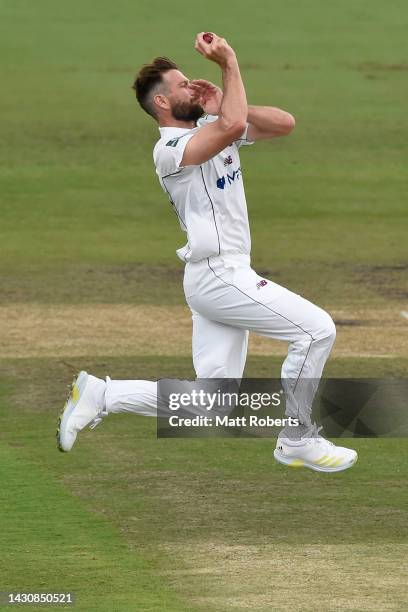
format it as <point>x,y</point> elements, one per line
<point>202,129</point>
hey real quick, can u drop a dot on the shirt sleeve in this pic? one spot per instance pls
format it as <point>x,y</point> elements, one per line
<point>168,155</point>
<point>240,142</point>
<point>243,140</point>
<point>207,119</point>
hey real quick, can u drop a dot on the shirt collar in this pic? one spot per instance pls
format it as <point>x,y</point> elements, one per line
<point>174,130</point>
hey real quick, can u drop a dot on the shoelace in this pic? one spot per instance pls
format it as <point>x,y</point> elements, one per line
<point>98,419</point>
<point>313,433</point>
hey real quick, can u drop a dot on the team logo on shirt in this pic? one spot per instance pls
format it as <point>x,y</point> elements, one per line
<point>173,142</point>
<point>228,160</point>
<point>222,181</point>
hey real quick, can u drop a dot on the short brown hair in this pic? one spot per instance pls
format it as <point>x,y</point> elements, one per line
<point>150,75</point>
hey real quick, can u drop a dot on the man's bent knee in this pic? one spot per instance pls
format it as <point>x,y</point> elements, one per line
<point>326,328</point>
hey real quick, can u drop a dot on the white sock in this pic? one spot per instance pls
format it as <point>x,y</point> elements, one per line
<point>137,396</point>
<point>98,392</point>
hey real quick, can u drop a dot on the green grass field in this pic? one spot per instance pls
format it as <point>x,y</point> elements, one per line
<point>88,276</point>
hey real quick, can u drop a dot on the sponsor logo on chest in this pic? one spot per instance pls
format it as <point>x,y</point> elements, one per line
<point>229,178</point>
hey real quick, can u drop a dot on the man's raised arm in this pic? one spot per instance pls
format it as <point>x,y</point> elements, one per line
<point>214,137</point>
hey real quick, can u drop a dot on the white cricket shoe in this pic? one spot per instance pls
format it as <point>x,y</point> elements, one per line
<point>314,452</point>
<point>85,406</point>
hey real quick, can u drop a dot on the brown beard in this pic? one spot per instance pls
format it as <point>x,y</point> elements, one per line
<point>187,111</point>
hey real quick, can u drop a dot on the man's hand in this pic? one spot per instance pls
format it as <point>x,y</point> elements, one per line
<point>213,137</point>
<point>218,50</point>
<point>208,95</point>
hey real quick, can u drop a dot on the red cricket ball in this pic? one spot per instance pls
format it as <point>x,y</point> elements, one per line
<point>208,37</point>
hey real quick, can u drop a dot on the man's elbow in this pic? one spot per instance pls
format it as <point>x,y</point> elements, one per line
<point>234,128</point>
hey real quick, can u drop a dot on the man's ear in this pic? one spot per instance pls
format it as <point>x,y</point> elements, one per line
<point>161,101</point>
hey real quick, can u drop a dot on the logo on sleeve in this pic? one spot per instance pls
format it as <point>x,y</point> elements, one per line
<point>173,142</point>
<point>261,284</point>
<point>228,160</point>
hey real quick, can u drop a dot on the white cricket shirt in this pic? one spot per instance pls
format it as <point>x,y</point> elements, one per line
<point>209,199</point>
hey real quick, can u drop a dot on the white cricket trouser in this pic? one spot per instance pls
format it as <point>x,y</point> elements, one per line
<point>228,300</point>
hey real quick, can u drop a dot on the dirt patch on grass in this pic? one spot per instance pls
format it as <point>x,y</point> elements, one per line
<point>100,329</point>
<point>287,577</point>
<point>390,281</point>
<point>44,330</point>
